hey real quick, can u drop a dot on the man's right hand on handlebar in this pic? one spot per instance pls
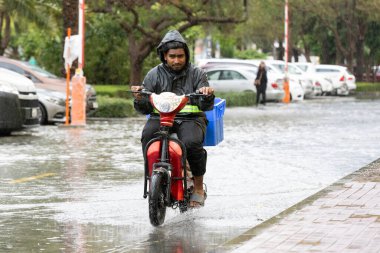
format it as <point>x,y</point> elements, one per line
<point>134,90</point>
<point>208,91</point>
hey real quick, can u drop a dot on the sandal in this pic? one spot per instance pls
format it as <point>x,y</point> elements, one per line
<point>198,199</point>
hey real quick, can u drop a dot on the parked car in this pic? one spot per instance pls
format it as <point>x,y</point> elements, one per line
<point>343,81</point>
<point>10,109</point>
<point>215,62</point>
<point>48,81</point>
<point>294,73</point>
<point>296,91</point>
<point>238,79</point>
<point>12,82</point>
<point>52,106</point>
<point>312,78</point>
<point>324,83</point>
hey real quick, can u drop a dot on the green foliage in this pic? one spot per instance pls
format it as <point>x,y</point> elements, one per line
<point>247,98</point>
<point>121,91</point>
<point>37,30</point>
<point>107,59</point>
<point>114,107</point>
<point>367,87</point>
<point>373,42</point>
<point>45,49</point>
<point>249,54</point>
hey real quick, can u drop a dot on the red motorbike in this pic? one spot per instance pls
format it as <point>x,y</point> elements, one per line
<point>166,173</point>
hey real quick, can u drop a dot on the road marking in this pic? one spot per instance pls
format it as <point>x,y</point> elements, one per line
<point>27,179</point>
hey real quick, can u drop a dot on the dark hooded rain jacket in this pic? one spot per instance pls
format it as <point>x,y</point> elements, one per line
<point>162,79</point>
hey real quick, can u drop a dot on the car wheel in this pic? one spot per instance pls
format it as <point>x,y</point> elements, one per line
<point>42,115</point>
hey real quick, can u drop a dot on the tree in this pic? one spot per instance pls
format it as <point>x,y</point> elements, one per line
<point>145,22</point>
<point>16,15</point>
<point>347,21</point>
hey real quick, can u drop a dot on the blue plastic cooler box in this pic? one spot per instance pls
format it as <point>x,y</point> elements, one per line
<point>214,131</point>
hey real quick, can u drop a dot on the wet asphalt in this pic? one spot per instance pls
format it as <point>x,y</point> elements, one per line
<point>80,189</point>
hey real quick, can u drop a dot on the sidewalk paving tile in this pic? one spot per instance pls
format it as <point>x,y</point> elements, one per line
<point>344,217</point>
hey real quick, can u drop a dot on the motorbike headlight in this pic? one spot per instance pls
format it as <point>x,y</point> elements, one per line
<point>166,102</point>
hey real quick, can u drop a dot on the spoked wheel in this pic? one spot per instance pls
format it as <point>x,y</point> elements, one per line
<point>157,208</point>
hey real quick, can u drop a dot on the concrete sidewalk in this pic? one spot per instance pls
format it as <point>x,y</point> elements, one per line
<point>344,217</point>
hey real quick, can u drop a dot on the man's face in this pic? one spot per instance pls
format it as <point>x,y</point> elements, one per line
<point>175,58</point>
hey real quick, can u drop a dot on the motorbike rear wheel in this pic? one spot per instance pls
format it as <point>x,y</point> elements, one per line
<point>157,208</point>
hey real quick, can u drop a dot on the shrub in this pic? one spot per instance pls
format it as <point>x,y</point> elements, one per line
<point>114,107</point>
<point>367,87</point>
<point>119,105</point>
<point>247,98</point>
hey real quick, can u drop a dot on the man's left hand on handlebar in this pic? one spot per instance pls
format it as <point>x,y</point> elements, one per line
<point>207,91</point>
<point>135,89</point>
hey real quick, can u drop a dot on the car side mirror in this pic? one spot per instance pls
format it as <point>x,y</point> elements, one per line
<point>28,76</point>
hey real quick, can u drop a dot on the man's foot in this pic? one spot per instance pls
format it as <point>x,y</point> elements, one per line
<point>198,196</point>
<point>197,199</point>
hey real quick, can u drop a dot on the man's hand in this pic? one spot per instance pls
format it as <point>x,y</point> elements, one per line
<point>136,95</point>
<point>207,91</point>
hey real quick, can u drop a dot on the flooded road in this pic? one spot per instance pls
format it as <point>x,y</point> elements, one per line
<point>80,190</point>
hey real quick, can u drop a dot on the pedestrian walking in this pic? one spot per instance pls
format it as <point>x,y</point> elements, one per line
<point>261,83</point>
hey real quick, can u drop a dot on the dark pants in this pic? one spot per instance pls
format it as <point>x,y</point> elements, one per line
<point>262,93</point>
<point>191,133</point>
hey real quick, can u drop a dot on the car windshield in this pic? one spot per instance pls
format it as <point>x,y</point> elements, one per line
<point>292,69</point>
<point>41,71</point>
<point>303,67</point>
<point>279,67</point>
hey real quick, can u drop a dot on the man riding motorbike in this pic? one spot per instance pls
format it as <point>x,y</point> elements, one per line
<point>176,74</point>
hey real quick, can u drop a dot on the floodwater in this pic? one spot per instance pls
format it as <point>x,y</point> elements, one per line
<point>80,189</point>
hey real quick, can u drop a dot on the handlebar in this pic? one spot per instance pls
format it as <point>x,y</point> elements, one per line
<point>195,94</point>
<point>142,92</point>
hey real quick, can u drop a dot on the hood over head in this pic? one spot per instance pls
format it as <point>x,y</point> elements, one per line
<point>172,40</point>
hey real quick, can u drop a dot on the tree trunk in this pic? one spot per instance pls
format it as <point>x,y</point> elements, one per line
<point>280,50</point>
<point>325,57</point>
<point>138,50</point>
<point>70,16</point>
<point>295,54</point>
<point>360,61</point>
<point>70,13</point>
<point>6,34</point>
<point>307,51</point>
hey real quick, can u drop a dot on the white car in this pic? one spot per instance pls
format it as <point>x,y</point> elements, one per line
<point>216,62</point>
<point>294,73</point>
<point>324,83</point>
<point>239,79</point>
<point>295,88</point>
<point>343,81</point>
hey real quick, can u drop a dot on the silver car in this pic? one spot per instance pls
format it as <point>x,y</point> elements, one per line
<point>52,106</point>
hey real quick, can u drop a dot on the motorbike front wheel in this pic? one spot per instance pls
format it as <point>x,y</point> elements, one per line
<point>157,208</point>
